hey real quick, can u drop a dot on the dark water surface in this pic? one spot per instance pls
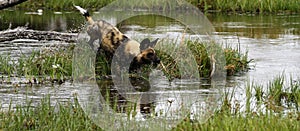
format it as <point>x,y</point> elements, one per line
<point>271,40</point>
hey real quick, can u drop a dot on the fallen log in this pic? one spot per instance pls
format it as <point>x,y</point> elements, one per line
<point>9,3</point>
<point>23,33</point>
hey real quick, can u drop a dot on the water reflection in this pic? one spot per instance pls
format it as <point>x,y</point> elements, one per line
<point>64,22</point>
<point>165,99</point>
<point>18,93</point>
<point>250,26</point>
<point>257,26</point>
<point>144,101</point>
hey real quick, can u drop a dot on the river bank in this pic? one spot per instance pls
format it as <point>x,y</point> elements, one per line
<point>224,6</point>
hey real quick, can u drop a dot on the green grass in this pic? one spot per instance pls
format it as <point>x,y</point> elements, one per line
<point>257,122</point>
<point>280,95</point>
<point>6,65</point>
<point>280,112</point>
<point>235,60</point>
<point>174,66</point>
<point>70,116</point>
<point>54,63</point>
<point>62,5</point>
<point>240,6</point>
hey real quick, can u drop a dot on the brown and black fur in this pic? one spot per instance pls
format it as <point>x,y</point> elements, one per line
<point>111,39</point>
<point>114,43</point>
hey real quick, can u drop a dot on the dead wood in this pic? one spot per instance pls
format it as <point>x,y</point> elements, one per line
<point>23,33</point>
<point>9,3</point>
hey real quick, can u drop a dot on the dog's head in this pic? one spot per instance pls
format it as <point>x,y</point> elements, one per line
<point>148,55</point>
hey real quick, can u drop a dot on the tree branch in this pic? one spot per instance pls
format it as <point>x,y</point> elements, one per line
<point>9,3</point>
<point>23,33</point>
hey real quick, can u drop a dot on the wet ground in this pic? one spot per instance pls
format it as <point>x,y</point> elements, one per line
<point>272,41</point>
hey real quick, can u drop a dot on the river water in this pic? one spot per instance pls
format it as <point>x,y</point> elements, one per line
<point>271,40</point>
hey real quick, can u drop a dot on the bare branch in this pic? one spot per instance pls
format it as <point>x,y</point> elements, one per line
<point>9,3</point>
<point>23,33</point>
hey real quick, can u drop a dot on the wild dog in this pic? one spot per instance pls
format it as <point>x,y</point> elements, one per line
<point>146,57</point>
<point>110,39</point>
<point>112,42</point>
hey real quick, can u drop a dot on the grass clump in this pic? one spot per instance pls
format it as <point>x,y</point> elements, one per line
<point>280,96</point>
<point>273,109</point>
<point>235,61</point>
<point>175,62</point>
<point>56,63</point>
<point>67,116</point>
<point>53,63</point>
<point>6,65</point>
<point>49,62</point>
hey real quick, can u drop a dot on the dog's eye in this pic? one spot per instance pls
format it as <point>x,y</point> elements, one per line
<point>150,54</point>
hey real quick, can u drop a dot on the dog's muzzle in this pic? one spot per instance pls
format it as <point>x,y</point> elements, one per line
<point>156,61</point>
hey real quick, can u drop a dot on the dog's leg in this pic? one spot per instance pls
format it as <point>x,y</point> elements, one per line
<point>91,42</point>
<point>93,32</point>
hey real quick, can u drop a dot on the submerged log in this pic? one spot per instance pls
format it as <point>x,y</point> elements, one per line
<point>9,3</point>
<point>23,33</point>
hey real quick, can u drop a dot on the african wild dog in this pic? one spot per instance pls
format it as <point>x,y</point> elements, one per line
<point>114,43</point>
<point>110,39</point>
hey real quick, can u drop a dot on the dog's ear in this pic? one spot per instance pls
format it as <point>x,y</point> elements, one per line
<point>146,43</point>
<point>153,43</point>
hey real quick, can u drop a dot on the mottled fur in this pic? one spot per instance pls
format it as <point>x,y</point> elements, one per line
<point>110,39</point>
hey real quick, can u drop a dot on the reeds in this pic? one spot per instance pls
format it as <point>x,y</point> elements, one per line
<point>6,65</point>
<point>56,63</point>
<point>235,61</point>
<point>46,117</point>
<point>70,116</point>
<point>176,65</point>
<point>240,6</point>
<point>53,63</point>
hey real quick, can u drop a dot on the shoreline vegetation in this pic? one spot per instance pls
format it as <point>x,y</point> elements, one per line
<point>48,65</point>
<point>275,109</point>
<point>55,64</point>
<point>224,6</point>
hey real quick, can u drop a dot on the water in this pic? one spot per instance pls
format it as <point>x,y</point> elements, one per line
<point>272,41</point>
<point>16,94</point>
<point>53,21</point>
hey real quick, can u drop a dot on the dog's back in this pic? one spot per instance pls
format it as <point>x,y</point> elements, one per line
<point>110,38</point>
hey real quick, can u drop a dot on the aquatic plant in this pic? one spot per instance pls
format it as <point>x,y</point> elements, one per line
<point>45,116</point>
<point>6,65</point>
<point>235,60</point>
<point>70,116</point>
<point>54,63</point>
<point>280,95</point>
